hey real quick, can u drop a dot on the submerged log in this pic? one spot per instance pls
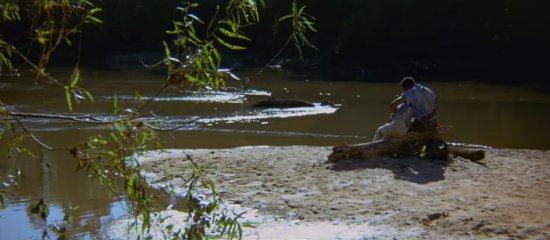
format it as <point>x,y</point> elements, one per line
<point>283,103</point>
<point>407,144</point>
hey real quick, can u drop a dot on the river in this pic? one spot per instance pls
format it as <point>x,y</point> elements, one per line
<point>496,116</point>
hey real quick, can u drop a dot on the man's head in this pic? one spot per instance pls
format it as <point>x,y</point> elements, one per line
<point>407,83</point>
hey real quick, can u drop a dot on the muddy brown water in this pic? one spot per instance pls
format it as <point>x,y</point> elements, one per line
<point>496,116</point>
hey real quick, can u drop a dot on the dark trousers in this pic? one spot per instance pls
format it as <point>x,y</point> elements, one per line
<point>435,148</point>
<point>418,126</point>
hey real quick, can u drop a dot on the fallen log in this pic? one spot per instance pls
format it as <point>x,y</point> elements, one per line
<point>410,143</point>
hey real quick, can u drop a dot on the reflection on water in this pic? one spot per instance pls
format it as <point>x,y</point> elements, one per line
<point>229,95</point>
<point>270,113</point>
<point>17,223</point>
<point>61,188</point>
<point>497,116</point>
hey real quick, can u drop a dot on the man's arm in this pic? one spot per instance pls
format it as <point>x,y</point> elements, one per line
<point>395,103</point>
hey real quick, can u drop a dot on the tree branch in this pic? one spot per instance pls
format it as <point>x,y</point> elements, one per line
<point>82,119</point>
<point>36,140</point>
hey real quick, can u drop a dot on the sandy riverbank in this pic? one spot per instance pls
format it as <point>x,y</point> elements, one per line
<point>301,196</point>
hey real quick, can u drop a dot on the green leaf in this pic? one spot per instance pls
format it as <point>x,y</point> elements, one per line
<point>89,95</point>
<point>218,57</point>
<point>115,104</point>
<point>114,138</point>
<point>92,11</point>
<point>191,79</point>
<point>195,17</point>
<point>232,47</point>
<point>234,26</point>
<point>285,17</point>
<point>68,96</point>
<point>309,15</point>
<point>233,35</point>
<point>42,40</point>
<point>193,41</point>
<point>250,224</point>
<point>139,97</point>
<point>173,31</point>
<point>214,18</point>
<point>301,10</point>
<point>170,63</point>
<point>68,41</point>
<point>199,65</point>
<point>94,19</point>
<point>67,217</point>
<point>130,185</point>
<point>309,24</point>
<point>211,62</point>
<point>76,78</point>
<point>111,186</point>
<point>144,139</point>
<point>118,126</point>
<point>192,34</point>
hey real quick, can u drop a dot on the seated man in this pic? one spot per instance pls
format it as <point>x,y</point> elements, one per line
<point>422,100</point>
<point>398,125</point>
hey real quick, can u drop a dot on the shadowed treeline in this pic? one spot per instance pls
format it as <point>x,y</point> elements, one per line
<point>374,40</point>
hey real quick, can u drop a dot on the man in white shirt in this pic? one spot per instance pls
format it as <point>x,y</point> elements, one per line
<point>422,100</point>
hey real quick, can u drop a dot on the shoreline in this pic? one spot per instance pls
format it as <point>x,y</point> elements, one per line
<point>294,193</point>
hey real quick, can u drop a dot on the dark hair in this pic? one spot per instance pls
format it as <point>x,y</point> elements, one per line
<point>407,83</point>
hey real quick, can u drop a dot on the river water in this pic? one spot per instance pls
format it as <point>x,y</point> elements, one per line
<point>496,116</point>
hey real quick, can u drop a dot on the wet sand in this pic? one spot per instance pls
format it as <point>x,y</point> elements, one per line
<point>296,194</point>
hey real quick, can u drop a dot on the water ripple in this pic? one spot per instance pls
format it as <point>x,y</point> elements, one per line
<point>202,96</point>
<point>243,116</point>
<point>257,115</point>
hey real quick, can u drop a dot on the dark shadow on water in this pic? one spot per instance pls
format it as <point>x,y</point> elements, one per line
<point>412,169</point>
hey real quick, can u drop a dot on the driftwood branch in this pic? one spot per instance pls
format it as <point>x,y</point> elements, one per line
<point>470,154</point>
<point>385,147</point>
<point>410,143</point>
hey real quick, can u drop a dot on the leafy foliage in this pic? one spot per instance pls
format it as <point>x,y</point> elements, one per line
<point>8,183</point>
<point>197,61</point>
<point>300,22</point>
<point>191,60</point>
<point>10,10</point>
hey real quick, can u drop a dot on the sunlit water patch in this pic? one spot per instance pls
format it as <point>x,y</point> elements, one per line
<point>264,114</point>
<point>233,96</point>
<point>257,93</point>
